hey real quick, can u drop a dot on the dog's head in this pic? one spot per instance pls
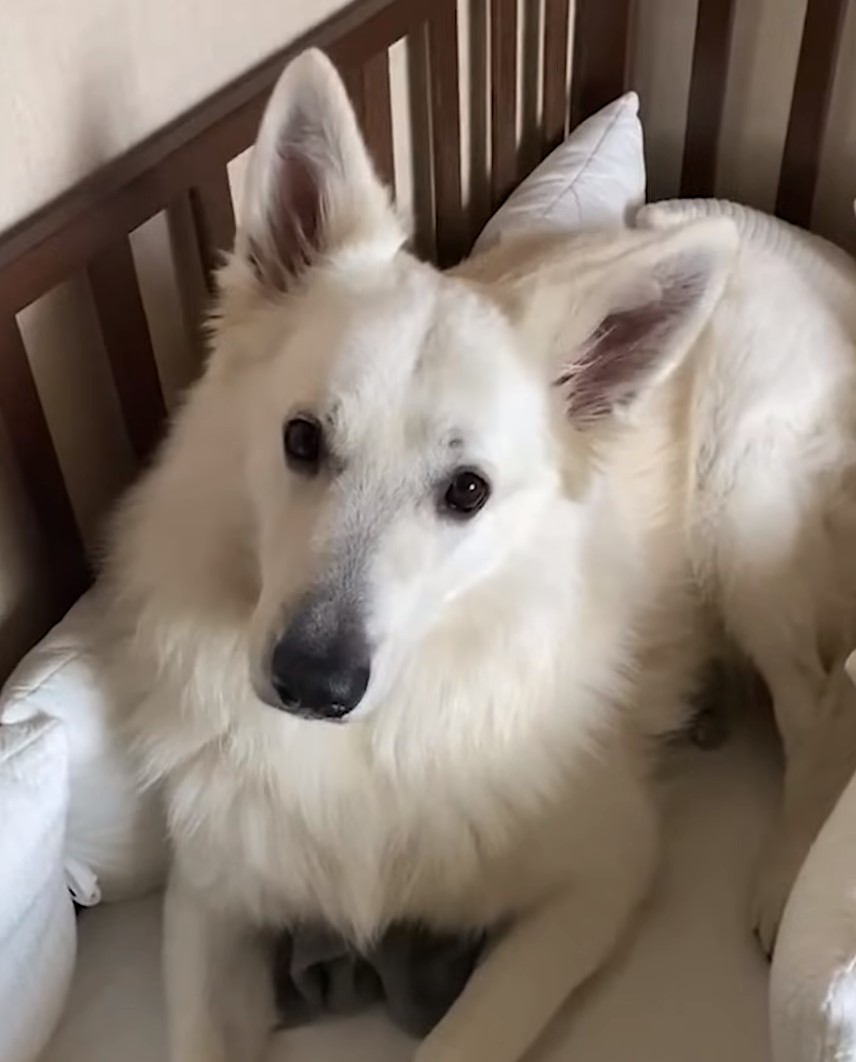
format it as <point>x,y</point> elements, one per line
<point>410,433</point>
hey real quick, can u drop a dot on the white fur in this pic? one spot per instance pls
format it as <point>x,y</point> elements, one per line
<point>523,661</point>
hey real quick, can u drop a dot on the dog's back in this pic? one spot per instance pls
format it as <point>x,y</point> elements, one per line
<point>771,516</point>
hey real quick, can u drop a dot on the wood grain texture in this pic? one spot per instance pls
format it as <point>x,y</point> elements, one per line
<point>556,16</point>
<point>369,89</point>
<point>531,81</point>
<point>503,98</point>
<point>377,117</point>
<point>356,85</point>
<point>421,149</point>
<point>194,283</point>
<point>822,32</point>
<point>444,82</point>
<point>33,452</point>
<point>479,114</point>
<point>44,249</point>
<point>714,27</point>
<point>116,292</point>
<point>601,32</point>
<point>214,221</point>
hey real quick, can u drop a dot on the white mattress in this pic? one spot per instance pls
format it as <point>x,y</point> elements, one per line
<point>690,985</point>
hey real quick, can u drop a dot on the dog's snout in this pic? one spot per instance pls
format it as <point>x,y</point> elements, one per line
<point>318,674</point>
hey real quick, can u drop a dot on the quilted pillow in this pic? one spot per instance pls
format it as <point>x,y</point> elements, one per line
<point>115,842</point>
<point>37,927</point>
<point>595,179</point>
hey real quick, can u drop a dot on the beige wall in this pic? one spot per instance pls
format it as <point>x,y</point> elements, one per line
<point>82,80</point>
<point>763,60</point>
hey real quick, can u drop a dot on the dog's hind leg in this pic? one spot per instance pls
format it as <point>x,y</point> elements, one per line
<point>219,995</point>
<point>547,954</point>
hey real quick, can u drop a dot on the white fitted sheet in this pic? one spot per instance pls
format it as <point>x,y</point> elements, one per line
<point>689,985</point>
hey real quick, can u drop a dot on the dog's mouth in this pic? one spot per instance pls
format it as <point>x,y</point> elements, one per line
<point>334,713</point>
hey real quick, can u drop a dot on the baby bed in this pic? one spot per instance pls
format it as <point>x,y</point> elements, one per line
<point>491,87</point>
<point>579,55</point>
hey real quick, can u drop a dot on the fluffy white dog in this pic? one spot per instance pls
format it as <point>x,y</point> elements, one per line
<point>429,561</point>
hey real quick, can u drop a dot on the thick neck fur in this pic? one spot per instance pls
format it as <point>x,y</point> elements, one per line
<point>489,722</point>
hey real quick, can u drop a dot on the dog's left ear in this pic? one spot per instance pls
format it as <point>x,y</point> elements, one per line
<point>631,311</point>
<point>311,189</point>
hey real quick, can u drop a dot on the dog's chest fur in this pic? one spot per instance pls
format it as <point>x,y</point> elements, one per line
<point>335,838</point>
<point>461,802</point>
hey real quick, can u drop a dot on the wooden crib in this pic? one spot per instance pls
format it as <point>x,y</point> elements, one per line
<point>533,70</point>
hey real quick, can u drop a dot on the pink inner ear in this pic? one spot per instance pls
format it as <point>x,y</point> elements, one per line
<point>295,220</point>
<point>297,227</point>
<point>628,346</point>
<point>613,363</point>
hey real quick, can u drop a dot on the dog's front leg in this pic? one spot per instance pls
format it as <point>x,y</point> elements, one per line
<point>219,993</point>
<point>531,971</point>
<point>820,763</point>
<point>191,953</point>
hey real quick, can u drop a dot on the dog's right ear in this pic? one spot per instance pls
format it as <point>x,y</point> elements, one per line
<point>311,188</point>
<point>616,313</point>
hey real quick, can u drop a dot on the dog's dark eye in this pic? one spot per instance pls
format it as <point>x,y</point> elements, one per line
<point>466,492</point>
<point>303,441</point>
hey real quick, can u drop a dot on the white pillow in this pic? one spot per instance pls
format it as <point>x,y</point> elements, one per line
<point>37,926</point>
<point>595,179</point>
<point>114,830</point>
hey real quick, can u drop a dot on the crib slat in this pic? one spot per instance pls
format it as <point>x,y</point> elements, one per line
<point>369,88</point>
<point>479,191</point>
<point>356,86</point>
<point>190,272</point>
<point>446,130</point>
<point>39,469</point>
<point>556,14</point>
<point>531,84</point>
<point>420,143</point>
<point>822,32</point>
<point>214,221</point>
<point>503,98</point>
<point>378,116</point>
<point>113,281</point>
<point>601,30</point>
<point>714,26</point>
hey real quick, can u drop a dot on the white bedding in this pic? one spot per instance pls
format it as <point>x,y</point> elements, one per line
<point>690,987</point>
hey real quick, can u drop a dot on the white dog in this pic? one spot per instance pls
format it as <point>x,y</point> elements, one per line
<point>429,559</point>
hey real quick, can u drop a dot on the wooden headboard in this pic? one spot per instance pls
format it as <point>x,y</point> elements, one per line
<point>573,58</point>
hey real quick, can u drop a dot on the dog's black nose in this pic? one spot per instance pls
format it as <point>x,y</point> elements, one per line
<point>317,674</point>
